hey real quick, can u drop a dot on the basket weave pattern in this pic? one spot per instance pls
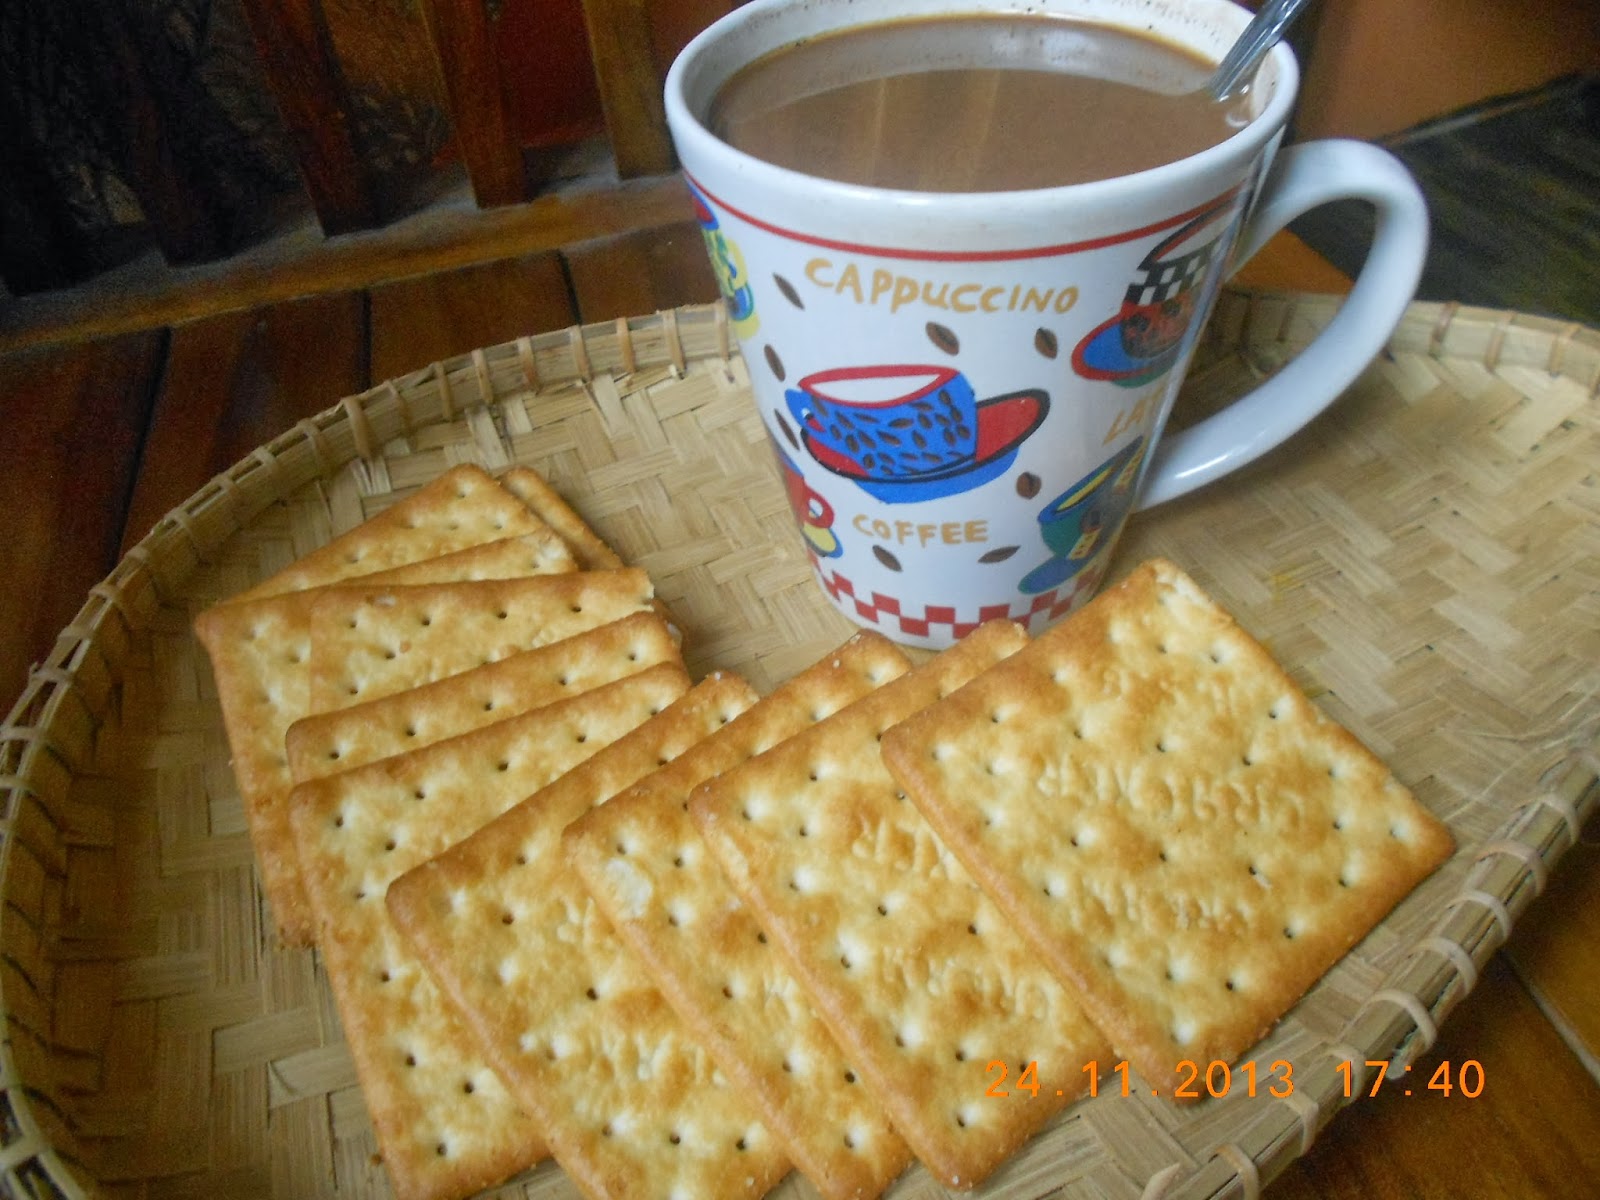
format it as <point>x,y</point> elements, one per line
<point>1422,558</point>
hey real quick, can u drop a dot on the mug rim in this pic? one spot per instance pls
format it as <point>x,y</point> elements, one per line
<point>695,139</point>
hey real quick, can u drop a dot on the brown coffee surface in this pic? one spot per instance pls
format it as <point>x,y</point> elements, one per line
<point>986,103</point>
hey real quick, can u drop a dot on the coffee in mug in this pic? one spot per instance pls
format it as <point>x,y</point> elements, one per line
<point>974,103</point>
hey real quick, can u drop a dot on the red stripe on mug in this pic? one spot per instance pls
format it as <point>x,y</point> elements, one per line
<point>1055,251</point>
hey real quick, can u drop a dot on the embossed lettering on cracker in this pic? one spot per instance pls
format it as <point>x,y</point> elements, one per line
<point>914,970</point>
<point>1179,833</point>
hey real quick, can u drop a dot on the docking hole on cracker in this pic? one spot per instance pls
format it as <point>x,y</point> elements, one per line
<point>1185,840</point>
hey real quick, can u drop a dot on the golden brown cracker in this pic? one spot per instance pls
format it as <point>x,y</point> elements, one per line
<point>369,643</point>
<point>444,1122</point>
<point>546,503</point>
<point>629,1103</point>
<point>263,655</point>
<point>643,862</point>
<point>258,651</point>
<point>325,743</point>
<point>541,553</point>
<point>914,970</point>
<point>462,507</point>
<point>1178,831</point>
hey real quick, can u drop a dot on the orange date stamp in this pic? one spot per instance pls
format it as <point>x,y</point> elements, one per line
<point>1217,1079</point>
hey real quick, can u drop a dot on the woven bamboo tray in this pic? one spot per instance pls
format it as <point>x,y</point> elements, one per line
<point>1422,558</point>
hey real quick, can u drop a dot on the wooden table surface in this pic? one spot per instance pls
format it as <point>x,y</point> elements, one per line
<point>105,434</point>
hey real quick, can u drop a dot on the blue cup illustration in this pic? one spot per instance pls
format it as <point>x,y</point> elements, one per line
<point>888,422</point>
<point>1080,522</point>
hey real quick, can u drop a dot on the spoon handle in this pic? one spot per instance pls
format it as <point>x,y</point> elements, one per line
<point>1263,32</point>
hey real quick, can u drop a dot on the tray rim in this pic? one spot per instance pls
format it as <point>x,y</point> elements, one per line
<point>48,730</point>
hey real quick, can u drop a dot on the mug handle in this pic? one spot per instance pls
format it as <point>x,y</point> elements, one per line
<point>1305,176</point>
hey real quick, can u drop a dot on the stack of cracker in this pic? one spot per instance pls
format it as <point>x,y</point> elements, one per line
<point>384,697</point>
<point>683,937</point>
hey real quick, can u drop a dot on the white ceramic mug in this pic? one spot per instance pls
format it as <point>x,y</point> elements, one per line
<point>962,426</point>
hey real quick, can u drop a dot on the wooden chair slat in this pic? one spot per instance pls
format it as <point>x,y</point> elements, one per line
<point>39,248</point>
<point>463,43</point>
<point>186,217</point>
<point>304,77</point>
<point>630,86</point>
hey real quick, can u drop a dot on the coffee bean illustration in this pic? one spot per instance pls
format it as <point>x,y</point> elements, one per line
<point>999,554</point>
<point>1027,485</point>
<point>789,294</point>
<point>886,558</point>
<point>773,361</point>
<point>1045,343</point>
<point>787,432</point>
<point>943,338</point>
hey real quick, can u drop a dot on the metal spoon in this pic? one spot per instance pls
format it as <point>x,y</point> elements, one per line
<point>1268,25</point>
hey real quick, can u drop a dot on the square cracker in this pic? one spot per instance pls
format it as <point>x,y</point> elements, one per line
<point>462,507</point>
<point>531,488</point>
<point>541,553</point>
<point>261,655</point>
<point>628,1101</point>
<point>1177,830</point>
<point>368,643</point>
<point>914,970</point>
<point>326,743</point>
<point>445,1125</point>
<point>643,862</point>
